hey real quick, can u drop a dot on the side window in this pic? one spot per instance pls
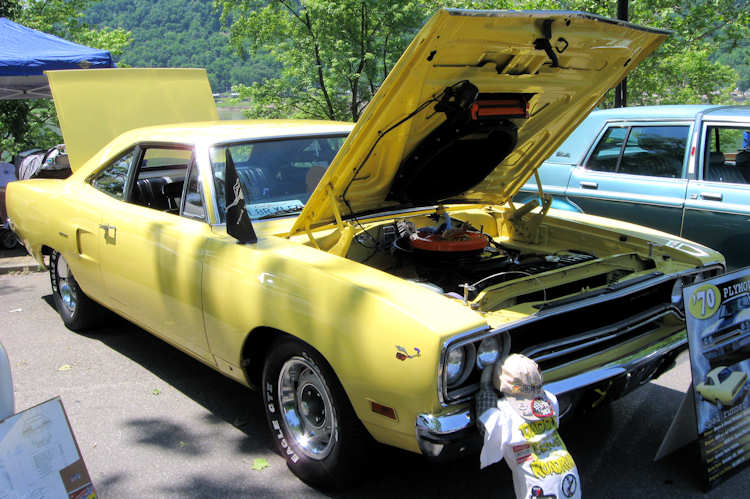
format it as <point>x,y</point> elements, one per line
<point>111,180</point>
<point>726,157</point>
<point>656,151</point>
<point>606,156</point>
<point>193,207</point>
<point>160,177</point>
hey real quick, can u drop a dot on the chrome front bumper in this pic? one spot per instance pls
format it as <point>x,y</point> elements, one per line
<point>451,432</point>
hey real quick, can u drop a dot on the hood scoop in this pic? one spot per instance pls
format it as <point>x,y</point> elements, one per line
<point>475,137</point>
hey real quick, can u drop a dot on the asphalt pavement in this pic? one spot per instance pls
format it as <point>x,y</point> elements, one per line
<point>152,422</point>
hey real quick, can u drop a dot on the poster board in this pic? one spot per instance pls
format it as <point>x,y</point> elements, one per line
<point>718,323</point>
<point>39,456</point>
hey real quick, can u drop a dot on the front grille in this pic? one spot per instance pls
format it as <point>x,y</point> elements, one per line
<point>571,348</point>
<point>555,339</point>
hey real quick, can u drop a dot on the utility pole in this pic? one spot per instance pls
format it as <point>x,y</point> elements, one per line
<point>621,90</point>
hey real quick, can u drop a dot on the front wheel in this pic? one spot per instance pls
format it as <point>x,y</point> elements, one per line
<point>78,311</point>
<point>312,421</point>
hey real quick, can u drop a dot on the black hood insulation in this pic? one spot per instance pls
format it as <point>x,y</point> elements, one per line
<point>461,151</point>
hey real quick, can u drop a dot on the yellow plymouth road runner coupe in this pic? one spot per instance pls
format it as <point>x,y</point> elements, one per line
<point>362,276</point>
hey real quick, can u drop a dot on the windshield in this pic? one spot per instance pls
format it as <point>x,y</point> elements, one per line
<point>732,307</point>
<point>724,374</point>
<point>277,176</point>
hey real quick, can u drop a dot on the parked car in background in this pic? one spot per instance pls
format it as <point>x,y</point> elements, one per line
<point>681,169</point>
<point>722,386</point>
<point>361,276</point>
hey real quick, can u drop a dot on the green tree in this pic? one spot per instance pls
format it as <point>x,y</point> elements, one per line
<point>180,33</point>
<point>33,123</point>
<point>682,70</point>
<point>334,54</point>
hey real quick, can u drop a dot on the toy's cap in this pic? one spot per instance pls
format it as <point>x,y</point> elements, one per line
<point>520,380</point>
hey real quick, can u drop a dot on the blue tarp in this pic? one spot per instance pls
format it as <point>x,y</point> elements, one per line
<point>26,53</point>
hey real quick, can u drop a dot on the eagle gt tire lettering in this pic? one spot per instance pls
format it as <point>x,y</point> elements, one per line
<point>77,311</point>
<point>311,420</point>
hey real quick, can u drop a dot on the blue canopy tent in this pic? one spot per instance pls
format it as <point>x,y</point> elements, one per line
<point>26,53</point>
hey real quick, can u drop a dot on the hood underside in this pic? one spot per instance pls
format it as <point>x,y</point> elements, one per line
<point>475,104</point>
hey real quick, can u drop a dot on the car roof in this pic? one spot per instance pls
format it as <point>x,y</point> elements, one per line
<point>686,111</point>
<point>728,113</point>
<point>577,144</point>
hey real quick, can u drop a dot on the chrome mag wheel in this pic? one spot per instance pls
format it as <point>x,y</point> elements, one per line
<point>306,407</point>
<point>65,286</point>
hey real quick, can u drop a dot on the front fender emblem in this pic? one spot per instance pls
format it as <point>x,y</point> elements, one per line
<point>403,354</point>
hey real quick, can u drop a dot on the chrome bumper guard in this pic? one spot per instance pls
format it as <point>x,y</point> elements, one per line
<point>452,433</point>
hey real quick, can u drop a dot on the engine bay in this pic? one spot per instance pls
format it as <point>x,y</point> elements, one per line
<point>447,253</point>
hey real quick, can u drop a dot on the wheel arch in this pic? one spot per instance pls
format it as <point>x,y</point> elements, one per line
<point>256,347</point>
<point>254,351</point>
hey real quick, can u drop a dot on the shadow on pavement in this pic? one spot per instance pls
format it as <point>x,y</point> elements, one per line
<point>613,447</point>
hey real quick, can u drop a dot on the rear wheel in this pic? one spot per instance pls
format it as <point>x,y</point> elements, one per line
<point>78,311</point>
<point>8,239</point>
<point>312,421</point>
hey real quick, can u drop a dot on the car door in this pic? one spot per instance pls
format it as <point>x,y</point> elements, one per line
<point>104,191</point>
<point>717,209</point>
<point>634,173</point>
<point>151,255</point>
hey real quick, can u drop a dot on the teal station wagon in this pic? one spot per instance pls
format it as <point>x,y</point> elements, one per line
<point>681,169</point>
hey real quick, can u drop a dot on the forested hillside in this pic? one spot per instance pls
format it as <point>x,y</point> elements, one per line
<point>179,33</point>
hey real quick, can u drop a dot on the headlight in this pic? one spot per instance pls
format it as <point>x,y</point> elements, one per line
<point>488,352</point>
<point>458,365</point>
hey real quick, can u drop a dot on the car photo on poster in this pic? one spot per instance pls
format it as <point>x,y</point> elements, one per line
<point>728,341</point>
<point>723,386</point>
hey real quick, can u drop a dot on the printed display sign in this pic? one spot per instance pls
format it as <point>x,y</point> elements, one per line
<point>718,323</point>
<point>39,456</point>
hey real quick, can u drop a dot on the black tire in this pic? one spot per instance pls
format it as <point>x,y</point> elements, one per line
<point>335,454</point>
<point>8,239</point>
<point>78,311</point>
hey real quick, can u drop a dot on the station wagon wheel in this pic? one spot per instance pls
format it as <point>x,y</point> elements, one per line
<point>78,311</point>
<point>309,414</point>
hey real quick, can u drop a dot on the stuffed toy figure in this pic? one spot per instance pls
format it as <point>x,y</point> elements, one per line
<point>521,427</point>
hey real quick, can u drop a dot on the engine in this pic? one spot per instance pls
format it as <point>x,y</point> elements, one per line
<point>454,257</point>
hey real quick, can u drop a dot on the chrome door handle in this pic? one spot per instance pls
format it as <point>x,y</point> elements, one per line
<point>589,185</point>
<point>712,196</point>
<point>107,228</point>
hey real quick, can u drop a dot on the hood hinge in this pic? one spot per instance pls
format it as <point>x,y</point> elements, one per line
<point>345,230</point>
<point>529,229</point>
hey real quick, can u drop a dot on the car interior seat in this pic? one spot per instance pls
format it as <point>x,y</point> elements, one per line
<point>742,163</point>
<point>158,193</point>
<point>718,171</point>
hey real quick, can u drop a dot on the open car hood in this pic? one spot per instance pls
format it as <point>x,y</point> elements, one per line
<point>96,106</point>
<point>474,105</point>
